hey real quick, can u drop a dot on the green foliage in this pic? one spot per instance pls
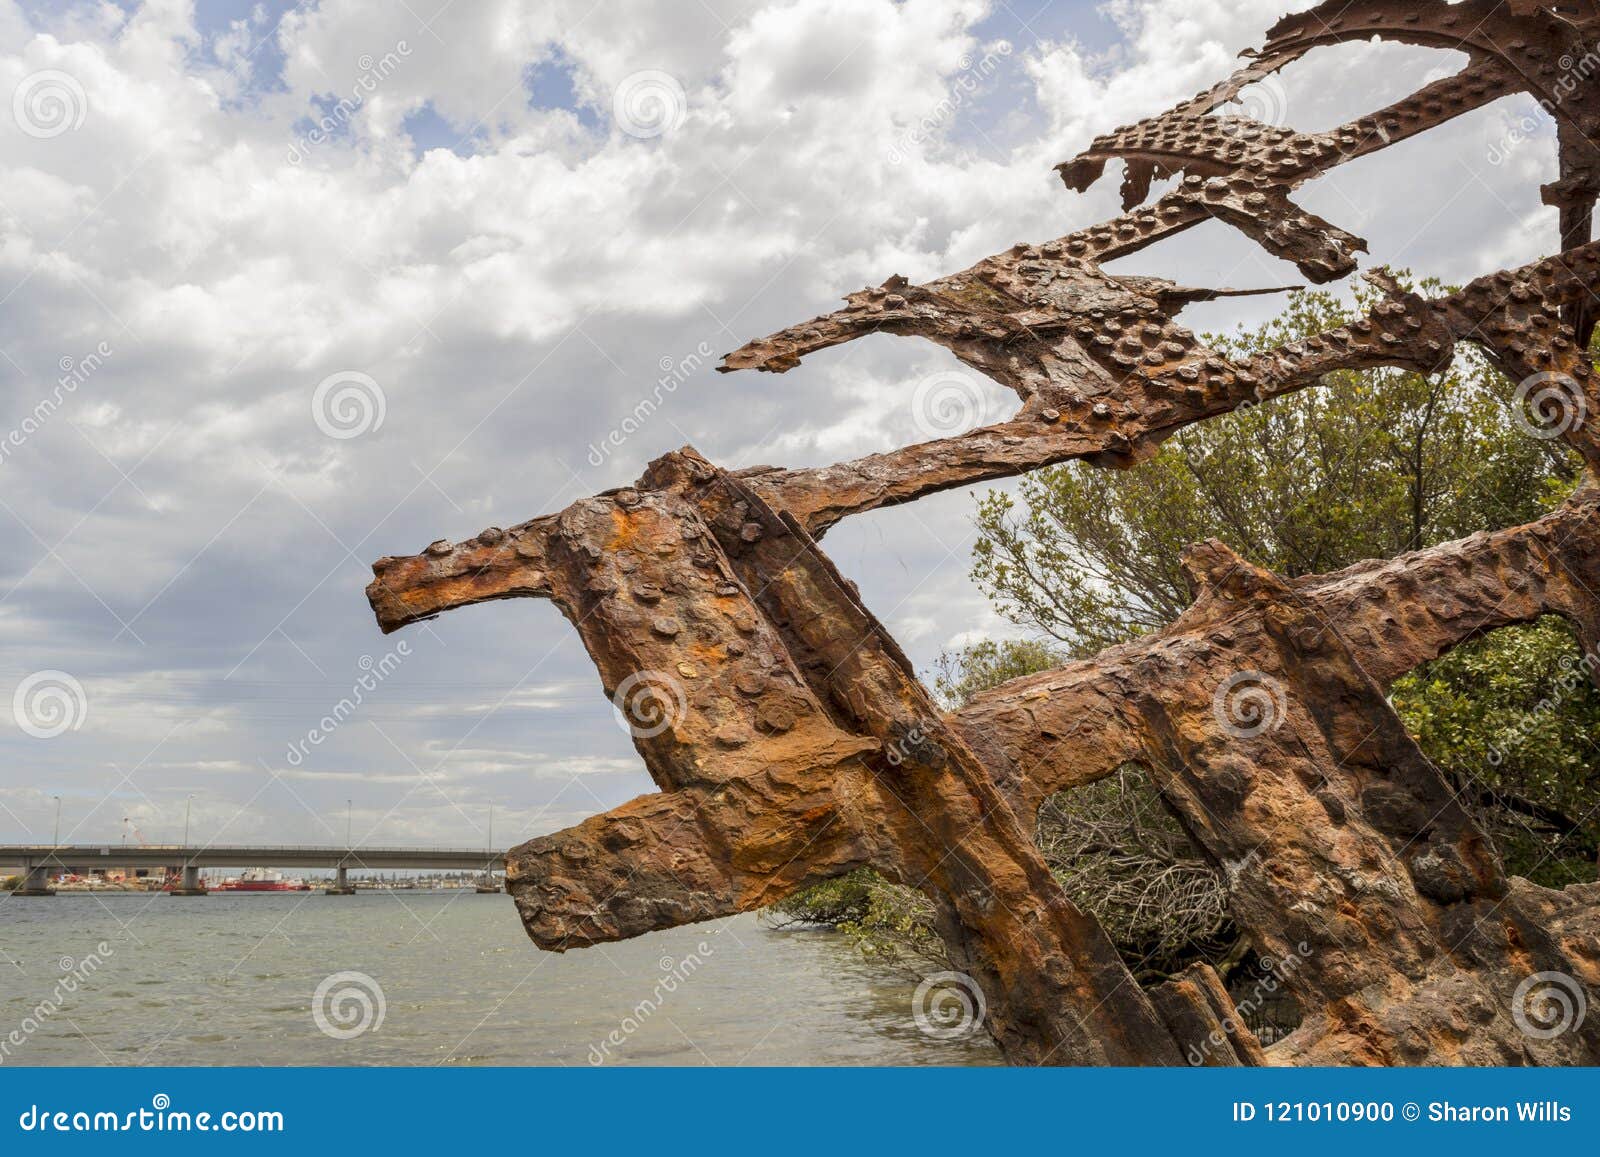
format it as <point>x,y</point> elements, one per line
<point>989,663</point>
<point>1371,464</point>
<point>1514,720</point>
<point>891,923</point>
<point>845,900</point>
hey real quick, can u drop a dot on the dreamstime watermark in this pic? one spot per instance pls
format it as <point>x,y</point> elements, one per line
<point>1275,974</point>
<point>674,372</point>
<point>1548,1004</point>
<point>1248,704</point>
<point>1355,139</point>
<point>373,73</point>
<point>48,103</point>
<point>1575,70</point>
<point>648,703</point>
<point>1549,405</point>
<point>948,402</point>
<point>348,1004</point>
<point>76,974</point>
<point>674,974</point>
<point>649,103</point>
<point>967,84</point>
<point>1576,672</point>
<point>74,373</point>
<point>49,703</point>
<point>915,744</point>
<point>348,404</point>
<point>949,1006</point>
<point>374,672</point>
<point>1262,102</point>
<point>160,1117</point>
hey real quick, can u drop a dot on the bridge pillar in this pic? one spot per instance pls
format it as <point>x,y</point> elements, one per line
<point>341,883</point>
<point>35,881</point>
<point>191,885</point>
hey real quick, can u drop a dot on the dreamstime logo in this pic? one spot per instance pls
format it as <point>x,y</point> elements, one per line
<point>912,745</point>
<point>948,402</point>
<point>373,672</point>
<point>75,975</point>
<point>967,85</point>
<point>49,703</point>
<point>948,1006</point>
<point>348,404</point>
<point>74,373</point>
<point>1576,671</point>
<point>340,114</point>
<point>649,104</point>
<point>1576,71</point>
<point>674,974</point>
<point>156,1119</point>
<point>348,1004</point>
<point>48,103</point>
<point>1262,103</point>
<point>1273,975</point>
<point>1548,1004</point>
<point>1548,405</point>
<point>1249,703</point>
<point>648,703</point>
<point>674,372</point>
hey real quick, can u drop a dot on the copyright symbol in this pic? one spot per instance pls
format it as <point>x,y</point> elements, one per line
<point>1410,1111</point>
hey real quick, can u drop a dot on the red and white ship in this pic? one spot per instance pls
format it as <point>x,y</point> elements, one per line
<point>261,880</point>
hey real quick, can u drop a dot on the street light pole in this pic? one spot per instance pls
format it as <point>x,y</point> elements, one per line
<point>491,829</point>
<point>55,840</point>
<point>348,806</point>
<point>186,803</point>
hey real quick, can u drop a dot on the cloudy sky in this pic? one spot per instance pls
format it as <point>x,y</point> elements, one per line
<point>285,288</point>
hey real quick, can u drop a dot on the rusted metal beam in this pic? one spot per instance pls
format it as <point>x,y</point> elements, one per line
<point>793,743</point>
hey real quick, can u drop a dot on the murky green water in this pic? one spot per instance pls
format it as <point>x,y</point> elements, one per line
<point>232,980</point>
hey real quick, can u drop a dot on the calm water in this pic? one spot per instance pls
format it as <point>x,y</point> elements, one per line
<point>231,980</point>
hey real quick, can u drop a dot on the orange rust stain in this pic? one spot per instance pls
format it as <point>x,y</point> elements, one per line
<point>711,654</point>
<point>1516,950</point>
<point>468,586</point>
<point>625,530</point>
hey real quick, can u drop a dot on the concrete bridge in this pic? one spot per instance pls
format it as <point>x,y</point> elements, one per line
<point>38,861</point>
